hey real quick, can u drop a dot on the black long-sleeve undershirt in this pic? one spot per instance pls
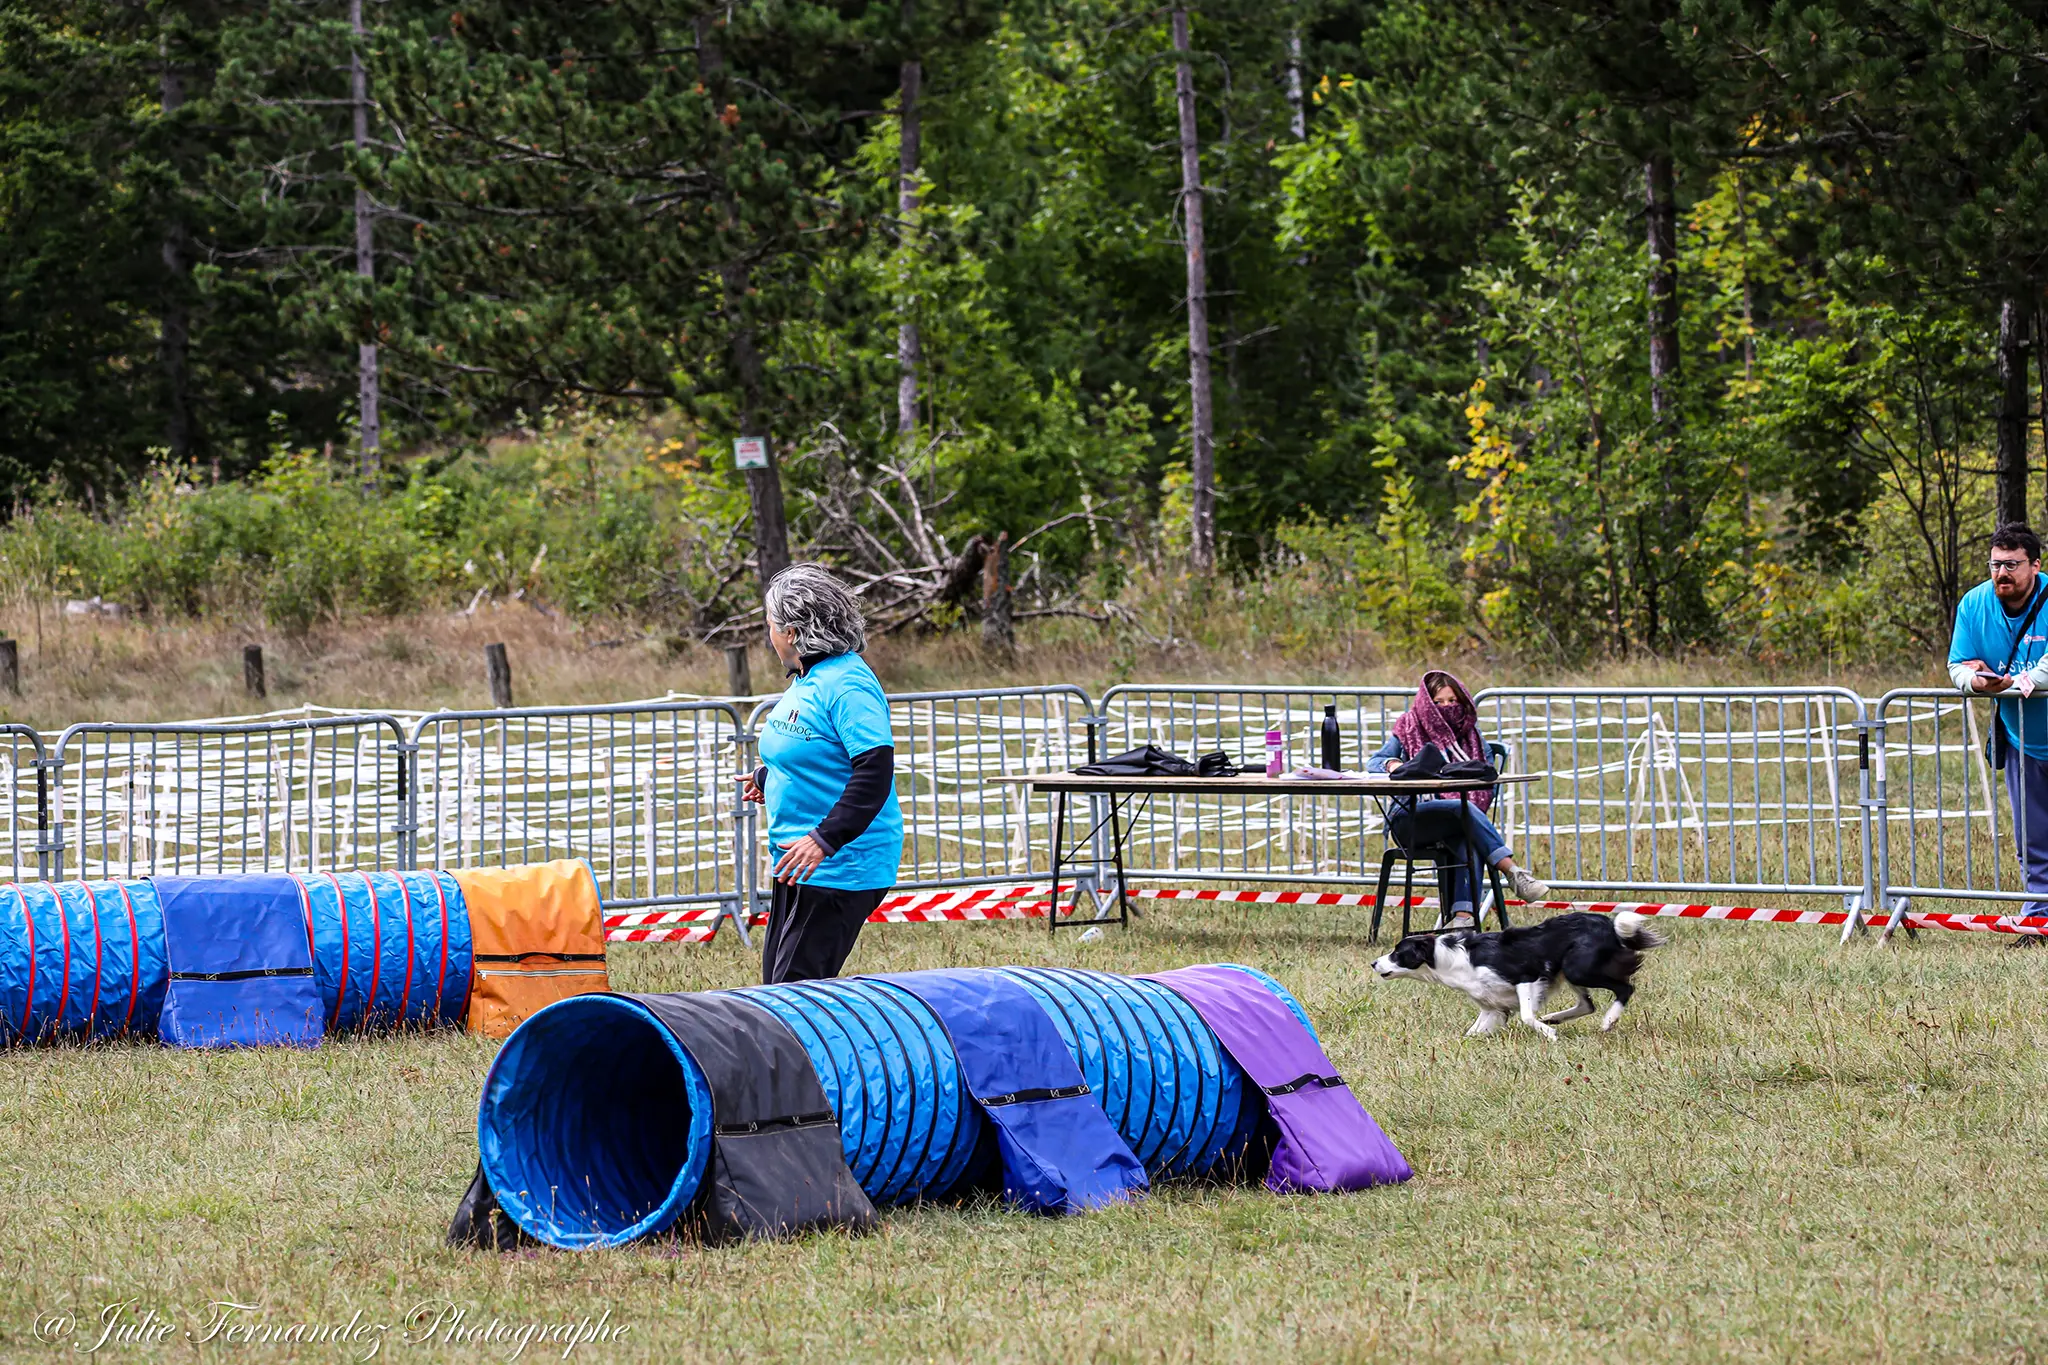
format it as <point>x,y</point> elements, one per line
<point>867,791</point>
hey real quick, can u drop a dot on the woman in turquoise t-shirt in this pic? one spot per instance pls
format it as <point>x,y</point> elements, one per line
<point>828,778</point>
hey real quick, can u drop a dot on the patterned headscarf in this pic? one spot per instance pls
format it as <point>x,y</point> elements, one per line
<point>1456,732</point>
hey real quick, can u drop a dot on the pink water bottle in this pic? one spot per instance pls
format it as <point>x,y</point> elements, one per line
<point>1276,752</point>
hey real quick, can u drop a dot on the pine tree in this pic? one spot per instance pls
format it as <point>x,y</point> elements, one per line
<point>630,201</point>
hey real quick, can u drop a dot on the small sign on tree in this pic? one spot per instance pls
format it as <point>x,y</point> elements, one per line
<point>750,452</point>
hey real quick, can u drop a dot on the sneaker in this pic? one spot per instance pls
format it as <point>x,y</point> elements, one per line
<point>1461,919</point>
<point>1527,887</point>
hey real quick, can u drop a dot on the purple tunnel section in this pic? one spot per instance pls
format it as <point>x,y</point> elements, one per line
<point>1326,1141</point>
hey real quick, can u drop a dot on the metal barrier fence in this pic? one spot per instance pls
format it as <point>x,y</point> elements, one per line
<point>259,796</point>
<point>643,792</point>
<point>1949,828</point>
<point>1696,789</point>
<point>26,807</point>
<point>1753,791</point>
<point>963,824</point>
<point>1252,838</point>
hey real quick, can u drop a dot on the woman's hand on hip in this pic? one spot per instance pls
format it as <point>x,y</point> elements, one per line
<point>800,858</point>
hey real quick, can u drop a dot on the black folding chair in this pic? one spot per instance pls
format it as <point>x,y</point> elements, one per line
<point>1441,855</point>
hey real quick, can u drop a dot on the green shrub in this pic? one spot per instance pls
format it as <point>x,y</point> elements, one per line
<point>593,516</point>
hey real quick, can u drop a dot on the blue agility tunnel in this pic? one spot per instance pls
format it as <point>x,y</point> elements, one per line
<point>594,1127</point>
<point>390,949</point>
<point>88,960</point>
<point>80,960</point>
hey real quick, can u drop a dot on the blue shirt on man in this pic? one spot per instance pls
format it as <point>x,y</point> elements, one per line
<point>1986,630</point>
<point>830,716</point>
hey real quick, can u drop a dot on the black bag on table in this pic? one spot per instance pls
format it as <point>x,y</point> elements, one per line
<point>1428,762</point>
<point>1147,761</point>
<point>1471,770</point>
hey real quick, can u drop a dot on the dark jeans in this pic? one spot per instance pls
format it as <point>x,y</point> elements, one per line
<point>811,930</point>
<point>1453,823</point>
<point>2026,784</point>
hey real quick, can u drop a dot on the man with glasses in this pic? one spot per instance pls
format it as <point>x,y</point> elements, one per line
<point>1998,649</point>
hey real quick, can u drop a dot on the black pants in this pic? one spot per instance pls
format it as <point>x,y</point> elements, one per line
<point>811,930</point>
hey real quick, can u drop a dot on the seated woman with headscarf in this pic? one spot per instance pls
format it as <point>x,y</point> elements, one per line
<point>1443,714</point>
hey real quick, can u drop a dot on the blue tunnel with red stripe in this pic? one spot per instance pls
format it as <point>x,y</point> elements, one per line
<point>389,948</point>
<point>80,960</point>
<point>88,960</point>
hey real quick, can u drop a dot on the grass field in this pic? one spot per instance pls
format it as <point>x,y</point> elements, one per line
<point>1788,1151</point>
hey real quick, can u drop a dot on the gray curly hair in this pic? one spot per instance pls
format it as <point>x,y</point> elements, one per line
<point>815,607</point>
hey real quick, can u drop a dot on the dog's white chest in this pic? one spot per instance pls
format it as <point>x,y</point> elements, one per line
<point>1483,984</point>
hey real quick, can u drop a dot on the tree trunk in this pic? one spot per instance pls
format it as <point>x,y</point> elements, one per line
<point>997,632</point>
<point>1748,367</point>
<point>2041,376</point>
<point>2012,412</point>
<point>1201,422</point>
<point>1596,428</point>
<point>1661,202</point>
<point>370,430</point>
<point>1616,625</point>
<point>764,486</point>
<point>174,342</point>
<point>965,572</point>
<point>908,348</point>
<point>1297,106</point>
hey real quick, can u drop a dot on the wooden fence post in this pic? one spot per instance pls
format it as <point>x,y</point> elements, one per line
<point>252,671</point>
<point>500,670</point>
<point>739,675</point>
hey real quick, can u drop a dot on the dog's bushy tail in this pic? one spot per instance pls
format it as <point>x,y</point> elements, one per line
<point>1635,931</point>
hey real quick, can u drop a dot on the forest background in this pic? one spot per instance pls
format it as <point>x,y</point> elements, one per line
<point>1563,332</point>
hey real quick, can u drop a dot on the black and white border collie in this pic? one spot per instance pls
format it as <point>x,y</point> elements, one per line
<point>1516,968</point>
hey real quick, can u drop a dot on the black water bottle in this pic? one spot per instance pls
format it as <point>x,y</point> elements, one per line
<point>1333,741</point>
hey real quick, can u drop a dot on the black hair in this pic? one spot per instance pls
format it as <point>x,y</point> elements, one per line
<point>2017,535</point>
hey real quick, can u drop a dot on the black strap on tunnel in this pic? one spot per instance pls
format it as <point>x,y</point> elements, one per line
<point>1058,1092</point>
<point>1303,1082</point>
<point>776,1163</point>
<point>246,974</point>
<point>753,1126</point>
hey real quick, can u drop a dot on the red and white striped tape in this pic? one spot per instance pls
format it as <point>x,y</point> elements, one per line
<point>1996,924</point>
<point>1034,900</point>
<point>1031,901</point>
<point>699,924</point>
<point>700,933</point>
